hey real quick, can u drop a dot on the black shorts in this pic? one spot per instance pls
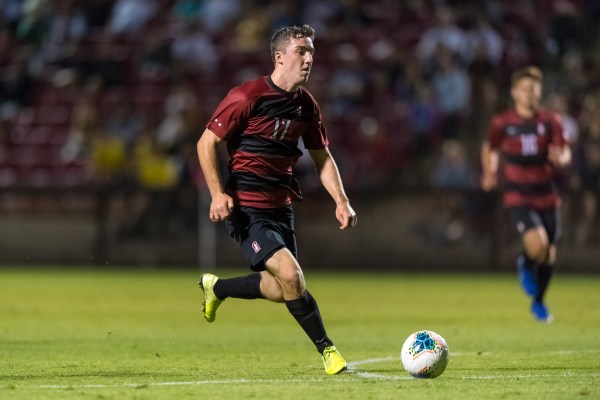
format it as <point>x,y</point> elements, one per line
<point>526,218</point>
<point>261,232</point>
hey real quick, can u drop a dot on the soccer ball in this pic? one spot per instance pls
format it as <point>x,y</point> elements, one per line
<point>424,354</point>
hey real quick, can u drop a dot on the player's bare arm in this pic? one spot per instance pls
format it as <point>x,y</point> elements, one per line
<point>331,180</point>
<point>489,165</point>
<point>221,204</point>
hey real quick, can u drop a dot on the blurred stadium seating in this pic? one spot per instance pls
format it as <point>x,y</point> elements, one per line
<point>90,90</point>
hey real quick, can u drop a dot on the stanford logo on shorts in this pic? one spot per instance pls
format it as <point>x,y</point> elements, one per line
<point>255,246</point>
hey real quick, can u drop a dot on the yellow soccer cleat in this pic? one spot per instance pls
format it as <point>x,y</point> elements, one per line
<point>211,301</point>
<point>333,361</point>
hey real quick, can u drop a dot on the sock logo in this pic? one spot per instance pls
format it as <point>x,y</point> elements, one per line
<point>255,246</point>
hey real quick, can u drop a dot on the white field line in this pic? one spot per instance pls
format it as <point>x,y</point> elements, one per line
<point>383,377</point>
<point>352,369</point>
<point>141,385</point>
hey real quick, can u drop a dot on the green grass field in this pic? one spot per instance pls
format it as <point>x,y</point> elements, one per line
<point>139,334</point>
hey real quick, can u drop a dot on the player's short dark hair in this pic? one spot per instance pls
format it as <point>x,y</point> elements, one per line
<point>531,72</point>
<point>282,36</point>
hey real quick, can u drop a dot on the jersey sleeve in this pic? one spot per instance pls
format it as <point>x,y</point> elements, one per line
<point>316,135</point>
<point>230,115</point>
<point>494,134</point>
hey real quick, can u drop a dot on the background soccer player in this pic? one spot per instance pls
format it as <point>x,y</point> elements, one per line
<point>532,142</point>
<point>262,121</point>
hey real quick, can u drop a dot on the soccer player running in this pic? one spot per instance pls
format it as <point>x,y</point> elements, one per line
<point>532,143</point>
<point>261,122</point>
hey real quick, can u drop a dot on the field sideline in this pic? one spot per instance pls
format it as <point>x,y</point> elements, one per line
<point>138,334</point>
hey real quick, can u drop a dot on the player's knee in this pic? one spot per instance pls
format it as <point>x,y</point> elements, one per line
<point>539,252</point>
<point>288,273</point>
<point>537,245</point>
<point>292,278</point>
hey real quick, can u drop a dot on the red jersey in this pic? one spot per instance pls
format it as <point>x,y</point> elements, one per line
<point>262,125</point>
<point>529,178</point>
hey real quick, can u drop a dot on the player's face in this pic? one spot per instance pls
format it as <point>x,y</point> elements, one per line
<point>297,60</point>
<point>527,93</point>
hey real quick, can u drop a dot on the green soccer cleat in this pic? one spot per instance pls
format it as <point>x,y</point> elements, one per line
<point>333,361</point>
<point>211,301</point>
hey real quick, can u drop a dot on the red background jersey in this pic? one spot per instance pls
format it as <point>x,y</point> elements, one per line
<point>262,125</point>
<point>528,175</point>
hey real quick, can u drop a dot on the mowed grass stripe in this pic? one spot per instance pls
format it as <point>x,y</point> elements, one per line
<point>71,334</point>
<point>354,372</point>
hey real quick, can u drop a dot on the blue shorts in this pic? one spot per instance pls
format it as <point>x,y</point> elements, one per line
<point>261,232</point>
<point>526,218</point>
